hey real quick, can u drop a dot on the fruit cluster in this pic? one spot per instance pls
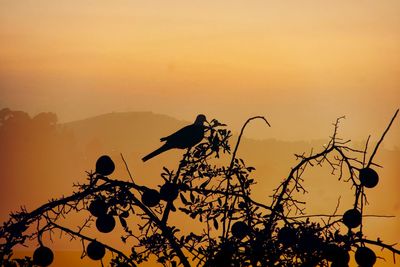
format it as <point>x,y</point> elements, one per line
<point>237,230</point>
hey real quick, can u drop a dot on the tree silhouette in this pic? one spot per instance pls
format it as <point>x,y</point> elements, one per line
<point>205,187</point>
<point>32,141</point>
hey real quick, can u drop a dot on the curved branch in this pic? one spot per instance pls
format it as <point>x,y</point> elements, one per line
<point>378,243</point>
<point>74,233</point>
<point>231,166</point>
<point>381,139</point>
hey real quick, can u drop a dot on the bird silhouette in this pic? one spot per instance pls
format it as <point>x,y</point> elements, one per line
<point>186,137</point>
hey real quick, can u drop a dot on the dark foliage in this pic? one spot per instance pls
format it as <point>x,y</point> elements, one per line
<point>237,230</point>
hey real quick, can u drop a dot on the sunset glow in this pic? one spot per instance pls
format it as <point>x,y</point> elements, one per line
<point>342,56</point>
<point>302,64</point>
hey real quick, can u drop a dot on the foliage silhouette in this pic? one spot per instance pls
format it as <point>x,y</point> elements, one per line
<point>237,230</point>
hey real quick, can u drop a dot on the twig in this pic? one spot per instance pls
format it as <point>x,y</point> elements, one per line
<point>382,137</point>
<point>127,168</point>
<point>78,234</point>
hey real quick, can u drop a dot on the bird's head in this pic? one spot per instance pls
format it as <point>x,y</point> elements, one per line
<point>200,119</point>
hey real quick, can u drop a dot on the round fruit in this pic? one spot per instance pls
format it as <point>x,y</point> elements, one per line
<point>105,223</point>
<point>368,177</point>
<point>331,251</point>
<point>151,198</point>
<point>352,218</point>
<point>95,250</point>
<point>98,207</point>
<point>309,242</point>
<point>287,236</point>
<point>365,257</point>
<point>240,230</point>
<point>104,165</point>
<point>43,256</point>
<point>337,255</point>
<point>344,257</point>
<point>169,192</point>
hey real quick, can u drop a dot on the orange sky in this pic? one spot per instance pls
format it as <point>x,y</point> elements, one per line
<point>302,64</point>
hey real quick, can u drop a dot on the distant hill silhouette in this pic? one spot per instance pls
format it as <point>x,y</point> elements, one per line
<point>138,130</point>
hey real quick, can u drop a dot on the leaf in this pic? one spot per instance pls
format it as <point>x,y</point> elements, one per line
<point>165,169</point>
<point>113,212</point>
<point>185,210</point>
<point>183,199</point>
<point>215,223</point>
<point>203,185</point>
<point>173,207</point>
<point>162,259</point>
<point>123,221</point>
<point>124,214</point>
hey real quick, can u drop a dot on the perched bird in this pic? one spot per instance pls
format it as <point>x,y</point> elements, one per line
<point>186,137</point>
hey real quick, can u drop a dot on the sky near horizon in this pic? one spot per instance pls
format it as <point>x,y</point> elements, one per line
<point>302,64</point>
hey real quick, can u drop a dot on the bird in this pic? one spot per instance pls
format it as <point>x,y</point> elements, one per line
<point>186,137</point>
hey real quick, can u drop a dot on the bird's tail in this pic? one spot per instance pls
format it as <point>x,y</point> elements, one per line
<point>156,152</point>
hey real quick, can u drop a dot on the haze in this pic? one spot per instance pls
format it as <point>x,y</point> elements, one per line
<point>302,64</point>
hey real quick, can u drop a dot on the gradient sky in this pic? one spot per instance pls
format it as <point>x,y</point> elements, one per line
<point>300,63</point>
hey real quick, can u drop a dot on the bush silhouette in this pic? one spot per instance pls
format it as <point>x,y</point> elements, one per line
<point>237,230</point>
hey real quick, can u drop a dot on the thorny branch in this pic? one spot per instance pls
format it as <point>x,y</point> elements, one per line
<point>251,233</point>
